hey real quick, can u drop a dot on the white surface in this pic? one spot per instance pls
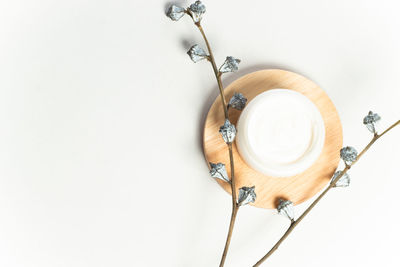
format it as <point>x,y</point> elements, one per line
<point>280,133</point>
<point>101,123</point>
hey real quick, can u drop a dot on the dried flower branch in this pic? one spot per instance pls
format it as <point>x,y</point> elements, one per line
<point>228,130</point>
<point>331,185</point>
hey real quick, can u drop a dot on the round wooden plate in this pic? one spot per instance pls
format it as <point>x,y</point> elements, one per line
<point>296,188</point>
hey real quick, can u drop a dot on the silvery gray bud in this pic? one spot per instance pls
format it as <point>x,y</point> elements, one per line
<point>348,154</point>
<point>196,53</point>
<point>197,9</point>
<point>343,181</point>
<point>285,208</point>
<point>371,120</point>
<point>219,171</point>
<point>238,101</point>
<point>175,12</point>
<point>228,132</point>
<point>231,64</point>
<point>246,195</point>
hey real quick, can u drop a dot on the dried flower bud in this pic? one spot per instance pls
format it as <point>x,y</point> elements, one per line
<point>228,132</point>
<point>197,9</point>
<point>175,12</point>
<point>246,195</point>
<point>219,171</point>
<point>348,154</point>
<point>285,208</point>
<point>238,101</point>
<point>231,64</point>
<point>343,181</point>
<point>196,53</point>
<point>370,121</point>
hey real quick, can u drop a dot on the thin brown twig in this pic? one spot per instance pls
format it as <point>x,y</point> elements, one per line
<point>235,206</point>
<point>315,202</point>
<point>216,71</point>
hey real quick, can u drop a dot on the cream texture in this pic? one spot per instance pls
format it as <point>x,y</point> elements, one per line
<point>280,133</point>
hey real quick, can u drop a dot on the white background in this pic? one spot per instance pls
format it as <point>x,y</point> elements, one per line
<point>101,115</point>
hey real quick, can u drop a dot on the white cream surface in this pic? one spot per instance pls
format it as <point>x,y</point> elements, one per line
<point>280,133</point>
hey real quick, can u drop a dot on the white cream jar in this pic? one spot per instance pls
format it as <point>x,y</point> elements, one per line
<point>280,133</point>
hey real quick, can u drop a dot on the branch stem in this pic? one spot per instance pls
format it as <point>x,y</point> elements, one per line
<point>216,71</point>
<point>235,206</point>
<point>235,209</point>
<point>315,202</point>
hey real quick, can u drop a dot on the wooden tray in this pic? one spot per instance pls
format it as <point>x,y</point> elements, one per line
<point>296,188</point>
